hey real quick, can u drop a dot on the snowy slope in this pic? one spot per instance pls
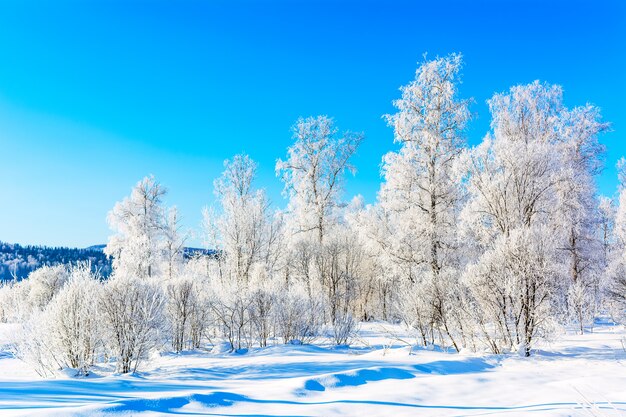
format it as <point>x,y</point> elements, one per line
<point>576,375</point>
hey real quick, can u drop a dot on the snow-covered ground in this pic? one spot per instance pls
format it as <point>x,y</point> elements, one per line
<point>573,376</point>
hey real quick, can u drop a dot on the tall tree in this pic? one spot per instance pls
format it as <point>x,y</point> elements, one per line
<point>514,178</point>
<point>422,193</point>
<point>172,244</point>
<point>576,215</point>
<point>617,268</point>
<point>243,219</point>
<point>313,173</point>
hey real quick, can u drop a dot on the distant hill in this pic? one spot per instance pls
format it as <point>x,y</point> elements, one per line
<point>188,251</point>
<point>96,247</point>
<point>19,261</point>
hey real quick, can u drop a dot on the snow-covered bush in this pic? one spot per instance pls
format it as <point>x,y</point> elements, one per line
<point>35,346</point>
<point>230,306</point>
<point>74,319</point>
<point>20,299</point>
<point>415,311</point>
<point>514,285</point>
<point>132,311</point>
<point>201,319</point>
<point>298,316</point>
<point>616,293</point>
<point>6,301</point>
<point>68,332</point>
<point>181,294</point>
<point>344,328</point>
<point>262,311</point>
<point>44,283</point>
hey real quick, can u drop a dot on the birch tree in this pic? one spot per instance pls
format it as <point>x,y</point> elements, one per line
<point>514,176</point>
<point>577,214</point>
<point>422,195</point>
<point>242,220</point>
<point>172,244</point>
<point>617,266</point>
<point>313,174</point>
<point>242,230</point>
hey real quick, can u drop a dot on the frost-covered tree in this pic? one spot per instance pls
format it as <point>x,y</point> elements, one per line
<point>6,301</point>
<point>617,261</point>
<point>388,259</point>
<point>576,215</point>
<point>138,221</point>
<point>422,193</point>
<point>240,225</point>
<point>245,235</point>
<point>172,244</point>
<point>515,170</point>
<point>606,224</point>
<point>262,309</point>
<point>313,174</point>
<point>515,185</point>
<point>199,269</point>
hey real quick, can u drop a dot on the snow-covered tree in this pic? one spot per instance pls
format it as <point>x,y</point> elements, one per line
<point>172,244</point>
<point>138,221</point>
<point>243,218</point>
<point>422,193</point>
<point>313,174</point>
<point>514,172</point>
<point>200,269</point>
<point>617,261</point>
<point>606,224</point>
<point>516,184</point>
<point>245,235</point>
<point>576,214</point>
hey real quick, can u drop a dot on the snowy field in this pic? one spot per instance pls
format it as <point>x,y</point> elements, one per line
<point>378,376</point>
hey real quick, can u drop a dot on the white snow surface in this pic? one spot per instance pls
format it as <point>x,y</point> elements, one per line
<point>378,375</point>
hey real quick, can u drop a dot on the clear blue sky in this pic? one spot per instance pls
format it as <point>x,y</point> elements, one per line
<point>96,94</point>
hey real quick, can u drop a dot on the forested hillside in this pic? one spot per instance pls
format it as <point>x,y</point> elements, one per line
<point>19,261</point>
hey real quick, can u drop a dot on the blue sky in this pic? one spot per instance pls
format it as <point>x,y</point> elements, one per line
<point>95,95</point>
